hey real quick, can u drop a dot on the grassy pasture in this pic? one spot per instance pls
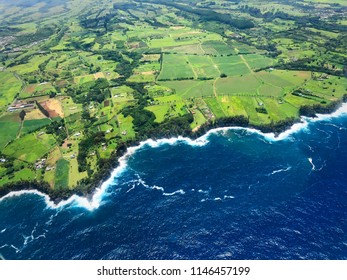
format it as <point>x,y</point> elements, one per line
<point>189,88</point>
<point>32,125</point>
<point>186,49</point>
<point>84,79</point>
<point>217,48</point>
<point>166,107</point>
<point>270,90</point>
<point>203,66</point>
<point>74,174</point>
<point>31,66</point>
<point>126,124</point>
<point>8,131</point>
<point>175,67</point>
<point>69,107</point>
<point>62,174</point>
<point>30,147</point>
<point>245,85</point>
<point>257,61</point>
<point>37,89</point>
<point>231,65</point>
<point>9,87</point>
<point>232,105</point>
<point>215,107</point>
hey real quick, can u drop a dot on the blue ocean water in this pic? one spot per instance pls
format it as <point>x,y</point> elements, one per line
<point>233,194</point>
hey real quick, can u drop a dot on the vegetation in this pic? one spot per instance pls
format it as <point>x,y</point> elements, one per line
<point>80,81</point>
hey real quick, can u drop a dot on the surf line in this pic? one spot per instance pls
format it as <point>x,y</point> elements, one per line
<point>100,192</point>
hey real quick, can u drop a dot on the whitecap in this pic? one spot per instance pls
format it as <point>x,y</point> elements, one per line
<point>280,170</point>
<point>173,193</point>
<point>311,161</point>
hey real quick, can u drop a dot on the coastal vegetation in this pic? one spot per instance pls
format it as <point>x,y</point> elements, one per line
<point>80,81</point>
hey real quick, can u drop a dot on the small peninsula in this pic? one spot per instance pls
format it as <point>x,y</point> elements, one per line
<point>81,81</point>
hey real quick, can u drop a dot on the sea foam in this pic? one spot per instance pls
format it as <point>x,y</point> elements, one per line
<point>95,201</point>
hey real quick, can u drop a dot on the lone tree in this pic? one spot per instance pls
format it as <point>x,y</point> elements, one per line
<point>22,115</point>
<point>223,75</point>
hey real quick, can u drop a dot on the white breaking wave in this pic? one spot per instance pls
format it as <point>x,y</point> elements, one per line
<point>313,166</point>
<point>99,193</point>
<point>173,193</point>
<point>280,170</point>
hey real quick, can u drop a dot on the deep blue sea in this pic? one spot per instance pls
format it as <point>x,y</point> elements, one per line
<point>232,194</point>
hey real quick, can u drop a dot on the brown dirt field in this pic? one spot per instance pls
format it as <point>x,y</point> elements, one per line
<point>34,115</point>
<point>148,73</point>
<point>190,33</point>
<point>30,89</point>
<point>151,57</point>
<point>176,27</point>
<point>99,75</point>
<point>303,74</point>
<point>61,83</point>
<point>54,108</point>
<point>66,143</point>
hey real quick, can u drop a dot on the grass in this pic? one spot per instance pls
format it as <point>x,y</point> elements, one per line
<point>231,66</point>
<point>8,131</point>
<point>189,88</point>
<point>166,107</point>
<point>37,89</point>
<point>217,48</point>
<point>9,87</point>
<point>31,66</point>
<point>160,111</point>
<point>30,147</point>
<point>215,107</point>
<point>232,105</point>
<point>181,69</point>
<point>256,61</point>
<point>74,174</point>
<point>69,107</point>
<point>245,85</point>
<point>203,66</point>
<point>23,174</point>
<point>186,49</point>
<point>32,125</point>
<point>84,79</point>
<point>126,124</point>
<point>199,119</point>
<point>62,174</point>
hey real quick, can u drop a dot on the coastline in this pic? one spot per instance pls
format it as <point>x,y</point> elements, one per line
<point>89,196</point>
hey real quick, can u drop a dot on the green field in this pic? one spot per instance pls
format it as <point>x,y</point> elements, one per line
<point>181,70</point>
<point>217,48</point>
<point>32,125</point>
<point>188,88</point>
<point>37,89</point>
<point>8,131</point>
<point>24,149</point>
<point>9,87</point>
<point>203,66</point>
<point>246,85</point>
<point>62,174</point>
